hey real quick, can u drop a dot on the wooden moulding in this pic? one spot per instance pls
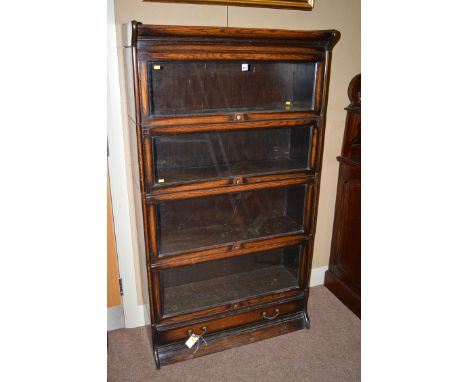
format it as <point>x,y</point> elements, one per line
<point>198,193</point>
<point>302,5</point>
<point>164,125</point>
<point>227,251</point>
<point>354,93</point>
<point>149,47</point>
<point>161,188</point>
<point>321,38</point>
<point>226,56</point>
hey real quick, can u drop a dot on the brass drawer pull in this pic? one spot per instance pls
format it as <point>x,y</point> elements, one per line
<point>237,180</point>
<point>204,328</point>
<point>272,317</point>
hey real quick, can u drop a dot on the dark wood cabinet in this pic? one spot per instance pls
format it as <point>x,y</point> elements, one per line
<point>228,128</point>
<point>343,277</point>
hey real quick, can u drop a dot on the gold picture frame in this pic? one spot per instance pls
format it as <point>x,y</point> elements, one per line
<point>302,5</point>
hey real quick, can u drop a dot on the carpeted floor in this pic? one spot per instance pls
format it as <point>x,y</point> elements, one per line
<point>329,352</point>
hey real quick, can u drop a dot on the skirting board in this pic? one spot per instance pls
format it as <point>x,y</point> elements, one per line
<point>115,318</point>
<point>317,276</point>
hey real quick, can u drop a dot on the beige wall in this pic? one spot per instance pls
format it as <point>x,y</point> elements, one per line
<point>343,15</point>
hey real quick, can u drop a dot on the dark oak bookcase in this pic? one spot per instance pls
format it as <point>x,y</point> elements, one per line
<point>228,126</point>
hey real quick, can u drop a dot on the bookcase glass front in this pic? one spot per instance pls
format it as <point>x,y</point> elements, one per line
<point>203,87</point>
<point>191,224</point>
<point>217,154</point>
<point>202,285</point>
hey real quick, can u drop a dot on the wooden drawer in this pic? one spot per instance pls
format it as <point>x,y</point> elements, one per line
<point>268,313</point>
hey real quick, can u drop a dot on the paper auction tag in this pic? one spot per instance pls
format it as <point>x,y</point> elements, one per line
<point>192,340</point>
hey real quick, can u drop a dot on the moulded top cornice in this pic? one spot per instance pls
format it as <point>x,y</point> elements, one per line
<point>141,32</point>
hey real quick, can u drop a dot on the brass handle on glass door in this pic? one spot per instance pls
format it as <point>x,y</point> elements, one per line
<point>237,180</point>
<point>272,317</point>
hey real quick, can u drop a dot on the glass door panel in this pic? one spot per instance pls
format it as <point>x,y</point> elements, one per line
<point>206,284</point>
<point>191,224</point>
<point>202,156</point>
<point>200,87</point>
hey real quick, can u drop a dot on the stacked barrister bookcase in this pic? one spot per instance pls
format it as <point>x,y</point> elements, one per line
<point>228,127</point>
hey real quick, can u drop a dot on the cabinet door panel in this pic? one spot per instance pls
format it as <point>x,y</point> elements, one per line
<point>204,87</point>
<point>206,284</point>
<point>347,250</point>
<point>220,154</point>
<point>190,224</point>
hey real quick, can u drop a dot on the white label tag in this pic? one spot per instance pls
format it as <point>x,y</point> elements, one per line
<point>192,340</point>
<point>245,67</point>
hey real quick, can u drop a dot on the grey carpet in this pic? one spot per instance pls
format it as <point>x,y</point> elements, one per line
<point>329,352</point>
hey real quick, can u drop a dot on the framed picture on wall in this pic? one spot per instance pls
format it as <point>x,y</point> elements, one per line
<point>304,5</point>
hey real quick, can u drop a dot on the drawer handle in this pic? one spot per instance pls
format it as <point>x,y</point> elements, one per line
<point>204,328</point>
<point>272,317</point>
